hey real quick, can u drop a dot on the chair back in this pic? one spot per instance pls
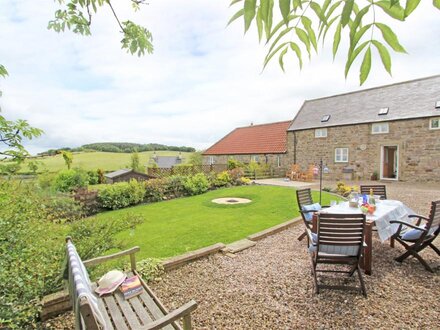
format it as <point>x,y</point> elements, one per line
<point>304,197</point>
<point>341,234</point>
<point>433,225</point>
<point>378,189</point>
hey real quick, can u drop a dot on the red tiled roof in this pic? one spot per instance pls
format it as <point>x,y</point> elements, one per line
<point>255,139</point>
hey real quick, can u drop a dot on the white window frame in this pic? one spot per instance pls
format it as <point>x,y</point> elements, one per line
<point>432,120</point>
<point>278,161</point>
<point>211,160</point>
<point>382,128</point>
<point>339,155</point>
<point>256,158</point>
<point>321,133</point>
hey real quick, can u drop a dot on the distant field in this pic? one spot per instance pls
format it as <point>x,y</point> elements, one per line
<point>108,161</point>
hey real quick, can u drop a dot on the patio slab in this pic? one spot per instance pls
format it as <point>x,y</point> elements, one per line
<point>283,182</point>
<point>238,246</point>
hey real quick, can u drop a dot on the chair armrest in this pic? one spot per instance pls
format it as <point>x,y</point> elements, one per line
<point>100,260</point>
<point>309,234</point>
<point>401,224</point>
<point>420,217</point>
<point>171,317</point>
<point>308,211</point>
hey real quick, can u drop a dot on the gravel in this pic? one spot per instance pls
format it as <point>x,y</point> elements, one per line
<point>270,285</point>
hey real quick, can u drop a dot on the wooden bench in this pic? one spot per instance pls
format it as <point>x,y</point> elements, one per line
<point>142,312</point>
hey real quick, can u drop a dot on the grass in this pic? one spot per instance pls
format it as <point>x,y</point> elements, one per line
<point>174,227</point>
<point>108,161</point>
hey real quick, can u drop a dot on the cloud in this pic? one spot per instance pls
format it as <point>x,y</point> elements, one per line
<point>202,81</point>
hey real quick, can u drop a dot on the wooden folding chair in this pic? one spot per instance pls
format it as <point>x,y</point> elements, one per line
<point>339,241</point>
<point>304,198</point>
<point>378,190</point>
<point>421,236</point>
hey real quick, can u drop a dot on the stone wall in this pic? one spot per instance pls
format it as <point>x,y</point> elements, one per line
<point>418,149</point>
<point>271,159</point>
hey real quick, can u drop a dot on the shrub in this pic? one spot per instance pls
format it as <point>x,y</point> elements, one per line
<point>46,180</point>
<point>175,185</point>
<point>62,209</point>
<point>155,189</point>
<point>121,194</point>
<point>150,268</point>
<point>196,184</point>
<point>222,179</point>
<point>101,176</point>
<point>233,164</point>
<point>93,177</point>
<point>343,189</point>
<point>69,180</point>
<point>237,174</point>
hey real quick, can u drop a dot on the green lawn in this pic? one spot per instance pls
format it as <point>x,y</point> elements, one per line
<point>108,161</point>
<point>174,227</point>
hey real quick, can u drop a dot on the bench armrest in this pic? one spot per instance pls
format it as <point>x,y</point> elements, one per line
<point>171,317</point>
<point>100,260</point>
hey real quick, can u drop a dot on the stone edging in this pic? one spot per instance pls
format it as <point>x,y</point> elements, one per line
<point>275,229</point>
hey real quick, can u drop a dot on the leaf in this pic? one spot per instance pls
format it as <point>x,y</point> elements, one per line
<point>365,66</point>
<point>297,4</point>
<point>336,40</point>
<point>3,71</point>
<point>411,5</point>
<point>358,20</point>
<point>384,55</point>
<point>264,7</point>
<point>285,10</point>
<point>353,56</point>
<point>302,35</point>
<point>396,11</point>
<point>233,2</point>
<point>268,21</point>
<point>297,51</point>
<point>279,26</point>
<point>249,13</point>
<point>259,24</point>
<point>280,59</point>
<point>270,55</point>
<point>236,15</point>
<point>308,26</point>
<point>282,34</point>
<point>436,3</point>
<point>358,35</point>
<point>346,12</point>
<point>390,37</point>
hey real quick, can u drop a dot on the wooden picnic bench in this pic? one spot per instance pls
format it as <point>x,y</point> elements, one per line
<point>143,312</point>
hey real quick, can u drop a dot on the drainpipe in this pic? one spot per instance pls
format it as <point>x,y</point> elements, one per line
<point>294,147</point>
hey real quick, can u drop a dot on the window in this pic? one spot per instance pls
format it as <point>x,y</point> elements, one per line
<point>383,111</point>
<point>325,118</point>
<point>434,123</point>
<point>278,161</point>
<point>211,160</point>
<point>341,155</point>
<point>256,158</point>
<point>321,133</point>
<point>380,128</point>
<point>437,105</point>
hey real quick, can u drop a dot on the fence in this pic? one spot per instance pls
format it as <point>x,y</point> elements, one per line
<point>159,172</point>
<point>271,172</point>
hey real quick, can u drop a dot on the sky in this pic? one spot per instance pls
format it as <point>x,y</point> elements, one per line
<point>203,80</point>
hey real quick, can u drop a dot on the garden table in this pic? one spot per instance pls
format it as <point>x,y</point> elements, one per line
<point>386,210</point>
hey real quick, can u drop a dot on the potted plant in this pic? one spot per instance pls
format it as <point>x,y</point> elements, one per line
<point>374,176</point>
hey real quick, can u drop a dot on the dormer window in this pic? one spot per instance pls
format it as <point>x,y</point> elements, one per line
<point>437,105</point>
<point>325,118</point>
<point>383,111</point>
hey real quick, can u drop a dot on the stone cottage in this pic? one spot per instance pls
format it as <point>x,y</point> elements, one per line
<point>264,144</point>
<point>390,131</point>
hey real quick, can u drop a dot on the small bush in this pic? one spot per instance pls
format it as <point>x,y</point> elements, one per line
<point>150,268</point>
<point>237,174</point>
<point>196,184</point>
<point>69,180</point>
<point>93,177</point>
<point>62,209</point>
<point>155,189</point>
<point>121,194</point>
<point>46,180</point>
<point>344,190</point>
<point>176,185</point>
<point>233,164</point>
<point>222,179</point>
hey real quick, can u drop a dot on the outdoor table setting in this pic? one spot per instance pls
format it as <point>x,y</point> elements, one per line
<point>378,217</point>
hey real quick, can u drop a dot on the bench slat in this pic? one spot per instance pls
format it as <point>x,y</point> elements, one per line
<point>152,307</point>
<point>140,310</point>
<point>130,316</point>
<point>103,310</point>
<point>115,313</point>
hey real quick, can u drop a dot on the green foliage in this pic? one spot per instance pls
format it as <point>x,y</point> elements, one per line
<point>196,184</point>
<point>135,163</point>
<point>68,158</point>
<point>196,158</point>
<point>222,179</point>
<point>93,177</point>
<point>156,189</point>
<point>304,23</point>
<point>69,180</point>
<point>344,190</point>
<point>101,177</point>
<point>132,147</point>
<point>122,194</point>
<point>46,180</point>
<point>63,209</point>
<point>33,167</point>
<point>175,185</point>
<point>233,163</point>
<point>150,268</point>
<point>137,39</point>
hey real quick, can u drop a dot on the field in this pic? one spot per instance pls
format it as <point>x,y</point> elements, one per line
<point>108,161</point>
<point>174,227</point>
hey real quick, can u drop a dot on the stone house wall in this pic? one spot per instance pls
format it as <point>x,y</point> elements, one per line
<point>418,150</point>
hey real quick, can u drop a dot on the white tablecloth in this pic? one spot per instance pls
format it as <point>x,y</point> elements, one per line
<point>386,210</point>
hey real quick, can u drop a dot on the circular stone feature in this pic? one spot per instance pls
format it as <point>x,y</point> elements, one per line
<point>231,200</point>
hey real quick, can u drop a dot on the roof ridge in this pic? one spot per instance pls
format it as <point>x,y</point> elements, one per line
<point>273,123</point>
<point>373,88</point>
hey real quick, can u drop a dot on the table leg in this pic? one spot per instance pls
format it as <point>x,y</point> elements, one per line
<point>315,223</point>
<point>368,251</point>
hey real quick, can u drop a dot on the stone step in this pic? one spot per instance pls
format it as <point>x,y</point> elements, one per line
<point>238,246</point>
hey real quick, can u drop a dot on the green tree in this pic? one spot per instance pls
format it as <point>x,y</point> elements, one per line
<point>196,158</point>
<point>33,167</point>
<point>68,158</point>
<point>135,163</point>
<point>305,25</point>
